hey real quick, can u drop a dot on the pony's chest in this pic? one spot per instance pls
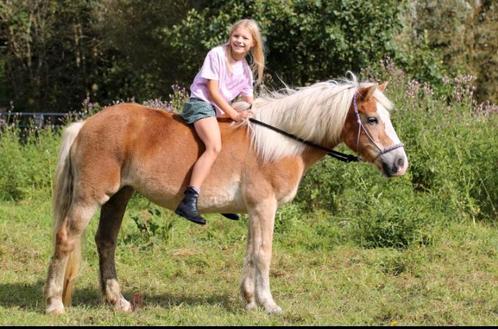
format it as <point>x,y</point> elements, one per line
<point>286,190</point>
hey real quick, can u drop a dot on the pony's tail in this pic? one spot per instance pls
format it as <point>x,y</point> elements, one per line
<point>62,199</point>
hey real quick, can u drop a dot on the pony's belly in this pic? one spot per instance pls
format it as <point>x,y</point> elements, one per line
<point>227,197</point>
<point>213,197</point>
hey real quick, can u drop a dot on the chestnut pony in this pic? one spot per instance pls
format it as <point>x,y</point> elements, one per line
<point>128,147</point>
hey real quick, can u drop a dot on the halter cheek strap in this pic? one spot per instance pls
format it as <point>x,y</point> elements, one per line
<point>361,127</point>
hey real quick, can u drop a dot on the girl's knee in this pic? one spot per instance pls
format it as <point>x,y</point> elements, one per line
<point>214,149</point>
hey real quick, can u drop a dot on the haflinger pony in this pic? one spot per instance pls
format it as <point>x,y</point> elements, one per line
<point>129,147</point>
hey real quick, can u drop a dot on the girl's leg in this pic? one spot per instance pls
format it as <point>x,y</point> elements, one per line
<point>208,131</point>
<point>210,135</point>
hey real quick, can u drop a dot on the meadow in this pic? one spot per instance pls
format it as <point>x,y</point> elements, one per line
<point>353,248</point>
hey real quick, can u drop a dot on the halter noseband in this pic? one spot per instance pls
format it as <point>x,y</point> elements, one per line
<point>361,127</point>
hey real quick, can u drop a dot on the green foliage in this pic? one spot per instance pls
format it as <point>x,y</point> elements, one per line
<point>150,228</point>
<point>58,53</point>
<point>139,62</point>
<point>55,54</point>
<point>305,41</point>
<point>51,53</point>
<point>450,36</point>
<point>27,166</point>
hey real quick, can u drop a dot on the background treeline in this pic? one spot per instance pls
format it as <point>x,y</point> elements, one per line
<point>55,54</point>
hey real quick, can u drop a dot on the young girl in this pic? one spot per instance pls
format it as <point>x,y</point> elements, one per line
<point>224,76</point>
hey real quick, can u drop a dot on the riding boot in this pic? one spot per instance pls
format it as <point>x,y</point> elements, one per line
<point>232,216</point>
<point>188,207</point>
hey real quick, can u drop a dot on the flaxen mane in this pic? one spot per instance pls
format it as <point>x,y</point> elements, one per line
<point>315,113</point>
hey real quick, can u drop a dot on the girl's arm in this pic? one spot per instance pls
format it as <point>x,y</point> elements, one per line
<point>216,97</point>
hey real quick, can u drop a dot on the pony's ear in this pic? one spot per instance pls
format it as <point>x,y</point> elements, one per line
<point>383,86</point>
<point>367,92</point>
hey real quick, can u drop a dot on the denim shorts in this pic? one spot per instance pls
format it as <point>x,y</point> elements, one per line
<point>196,109</point>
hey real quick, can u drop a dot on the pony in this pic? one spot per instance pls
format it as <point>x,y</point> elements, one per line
<point>128,148</point>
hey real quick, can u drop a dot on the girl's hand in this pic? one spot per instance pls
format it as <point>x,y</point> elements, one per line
<point>241,116</point>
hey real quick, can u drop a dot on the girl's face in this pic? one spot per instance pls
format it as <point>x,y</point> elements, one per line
<point>241,42</point>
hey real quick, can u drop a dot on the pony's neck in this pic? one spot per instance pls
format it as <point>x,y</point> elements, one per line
<point>316,113</point>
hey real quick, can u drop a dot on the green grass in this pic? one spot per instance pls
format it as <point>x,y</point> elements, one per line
<point>189,275</point>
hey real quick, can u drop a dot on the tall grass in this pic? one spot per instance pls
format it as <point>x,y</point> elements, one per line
<point>27,162</point>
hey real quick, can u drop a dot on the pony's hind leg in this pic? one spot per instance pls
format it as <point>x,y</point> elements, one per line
<point>65,261</point>
<point>111,217</point>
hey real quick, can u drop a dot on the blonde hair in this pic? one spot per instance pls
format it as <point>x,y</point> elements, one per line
<point>258,64</point>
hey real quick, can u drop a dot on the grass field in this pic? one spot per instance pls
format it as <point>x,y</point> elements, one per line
<point>189,275</point>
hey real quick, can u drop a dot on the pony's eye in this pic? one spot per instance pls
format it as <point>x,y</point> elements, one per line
<point>372,120</point>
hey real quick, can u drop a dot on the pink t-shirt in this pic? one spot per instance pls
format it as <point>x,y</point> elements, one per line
<point>231,85</point>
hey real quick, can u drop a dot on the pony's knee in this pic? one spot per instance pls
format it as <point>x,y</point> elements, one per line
<point>262,258</point>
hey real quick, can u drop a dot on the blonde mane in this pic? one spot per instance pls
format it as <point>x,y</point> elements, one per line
<point>316,113</point>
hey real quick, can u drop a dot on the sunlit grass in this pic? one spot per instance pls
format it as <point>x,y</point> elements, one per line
<point>192,277</point>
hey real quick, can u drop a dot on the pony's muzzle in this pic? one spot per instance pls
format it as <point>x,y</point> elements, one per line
<point>395,164</point>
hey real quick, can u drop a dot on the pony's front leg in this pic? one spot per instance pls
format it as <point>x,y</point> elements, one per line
<point>256,282</point>
<point>247,287</point>
<point>111,217</point>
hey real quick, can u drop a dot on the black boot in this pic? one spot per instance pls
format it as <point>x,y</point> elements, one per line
<point>232,216</point>
<point>188,207</point>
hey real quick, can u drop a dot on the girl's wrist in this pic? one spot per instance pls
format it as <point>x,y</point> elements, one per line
<point>231,112</point>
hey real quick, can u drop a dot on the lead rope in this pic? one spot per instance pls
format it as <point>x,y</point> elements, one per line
<point>335,154</point>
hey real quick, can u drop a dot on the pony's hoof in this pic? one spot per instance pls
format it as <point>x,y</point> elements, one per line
<point>55,308</point>
<point>122,305</point>
<point>251,306</point>
<point>273,309</point>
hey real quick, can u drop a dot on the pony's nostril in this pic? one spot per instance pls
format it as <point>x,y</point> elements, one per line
<point>400,163</point>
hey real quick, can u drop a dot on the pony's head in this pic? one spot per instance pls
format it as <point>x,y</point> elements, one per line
<point>369,132</point>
